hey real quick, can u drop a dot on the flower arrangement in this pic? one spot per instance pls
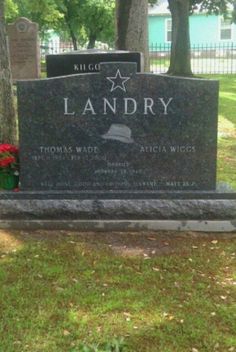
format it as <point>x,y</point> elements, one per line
<point>9,166</point>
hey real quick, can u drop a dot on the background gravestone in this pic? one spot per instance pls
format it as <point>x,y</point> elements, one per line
<point>24,49</point>
<point>88,61</point>
<point>118,130</point>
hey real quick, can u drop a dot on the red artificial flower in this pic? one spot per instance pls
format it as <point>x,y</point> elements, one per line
<point>7,161</point>
<point>8,148</point>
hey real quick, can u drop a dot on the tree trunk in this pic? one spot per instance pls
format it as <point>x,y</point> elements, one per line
<point>131,27</point>
<point>180,60</point>
<point>8,128</point>
<point>92,40</point>
<point>73,37</point>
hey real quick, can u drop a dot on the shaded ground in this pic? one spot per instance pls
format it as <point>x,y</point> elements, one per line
<point>61,289</point>
<point>147,243</point>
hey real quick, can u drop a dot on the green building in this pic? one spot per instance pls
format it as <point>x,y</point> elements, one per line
<point>204,29</point>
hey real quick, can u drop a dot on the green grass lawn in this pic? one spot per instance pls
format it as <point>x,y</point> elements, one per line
<point>226,160</point>
<point>63,294</point>
<point>58,294</point>
<point>227,130</point>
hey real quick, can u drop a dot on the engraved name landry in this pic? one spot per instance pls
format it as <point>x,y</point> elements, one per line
<point>129,106</point>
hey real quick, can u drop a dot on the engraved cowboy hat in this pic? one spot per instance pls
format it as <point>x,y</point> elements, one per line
<point>119,132</point>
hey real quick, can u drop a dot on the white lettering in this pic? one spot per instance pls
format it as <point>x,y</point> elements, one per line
<point>87,149</point>
<point>148,104</point>
<point>89,107</point>
<point>93,67</point>
<point>82,67</point>
<point>128,106</point>
<point>133,101</point>
<point>66,108</point>
<point>165,104</point>
<point>112,107</point>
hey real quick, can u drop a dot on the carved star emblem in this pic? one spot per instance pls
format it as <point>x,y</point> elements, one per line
<point>118,81</point>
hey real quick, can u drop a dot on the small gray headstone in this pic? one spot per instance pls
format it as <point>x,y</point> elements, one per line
<point>118,130</point>
<point>24,49</point>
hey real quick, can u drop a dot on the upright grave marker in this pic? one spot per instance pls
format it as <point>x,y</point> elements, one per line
<point>118,131</point>
<point>24,49</point>
<point>88,61</point>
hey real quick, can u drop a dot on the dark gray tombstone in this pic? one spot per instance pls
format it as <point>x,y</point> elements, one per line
<point>88,61</point>
<point>118,131</point>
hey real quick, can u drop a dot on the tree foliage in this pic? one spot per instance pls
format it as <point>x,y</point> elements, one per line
<point>44,12</point>
<point>80,20</point>
<point>94,20</point>
<point>211,6</point>
<point>99,24</point>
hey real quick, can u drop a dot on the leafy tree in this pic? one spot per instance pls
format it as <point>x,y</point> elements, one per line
<point>7,111</point>
<point>88,20</point>
<point>180,63</point>
<point>79,20</point>
<point>44,12</point>
<point>11,11</point>
<point>131,27</point>
<point>71,19</point>
<point>98,21</point>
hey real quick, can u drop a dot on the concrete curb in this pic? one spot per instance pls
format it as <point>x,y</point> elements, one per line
<point>121,225</point>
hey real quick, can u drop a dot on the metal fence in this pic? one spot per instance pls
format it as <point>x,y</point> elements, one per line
<point>54,47</point>
<point>59,47</point>
<point>205,58</point>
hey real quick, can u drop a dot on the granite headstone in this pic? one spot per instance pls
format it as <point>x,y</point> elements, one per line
<point>88,61</point>
<point>118,130</point>
<point>24,49</point>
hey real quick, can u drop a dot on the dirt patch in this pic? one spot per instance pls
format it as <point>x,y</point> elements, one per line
<point>8,241</point>
<point>146,244</point>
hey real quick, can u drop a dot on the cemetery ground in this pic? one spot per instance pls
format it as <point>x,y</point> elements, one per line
<point>226,159</point>
<point>63,291</point>
<point>226,168</point>
<point>138,292</point>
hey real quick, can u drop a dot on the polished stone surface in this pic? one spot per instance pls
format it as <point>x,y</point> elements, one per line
<point>118,132</point>
<point>88,61</point>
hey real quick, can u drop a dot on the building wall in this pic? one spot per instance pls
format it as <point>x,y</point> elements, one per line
<point>156,27</point>
<point>203,30</point>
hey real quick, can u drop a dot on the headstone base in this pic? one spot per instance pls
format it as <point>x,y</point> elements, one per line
<point>74,211</point>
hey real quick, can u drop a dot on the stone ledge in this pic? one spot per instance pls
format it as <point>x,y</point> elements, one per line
<point>115,209</point>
